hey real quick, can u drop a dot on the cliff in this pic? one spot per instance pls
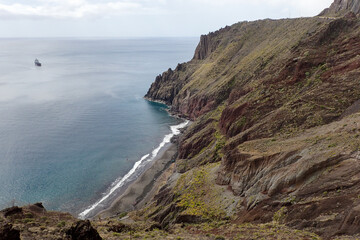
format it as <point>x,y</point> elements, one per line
<point>342,6</point>
<point>275,107</point>
<point>274,149</point>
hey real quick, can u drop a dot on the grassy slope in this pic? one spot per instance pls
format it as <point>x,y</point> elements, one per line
<point>258,99</point>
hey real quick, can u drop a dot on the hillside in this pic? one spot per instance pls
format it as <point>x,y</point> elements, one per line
<point>275,108</point>
<point>274,148</point>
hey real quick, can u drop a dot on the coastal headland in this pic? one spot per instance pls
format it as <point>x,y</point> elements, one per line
<point>274,148</point>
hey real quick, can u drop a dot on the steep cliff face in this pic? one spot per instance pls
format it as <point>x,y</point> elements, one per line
<point>170,87</point>
<point>272,102</point>
<point>166,86</point>
<point>242,56</point>
<point>208,44</point>
<point>341,6</point>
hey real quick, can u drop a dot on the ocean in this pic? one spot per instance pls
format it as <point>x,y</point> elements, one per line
<point>73,131</point>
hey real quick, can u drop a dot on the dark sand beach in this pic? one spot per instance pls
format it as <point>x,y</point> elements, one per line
<point>145,187</point>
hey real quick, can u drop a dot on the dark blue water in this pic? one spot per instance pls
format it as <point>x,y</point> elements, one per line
<point>69,129</point>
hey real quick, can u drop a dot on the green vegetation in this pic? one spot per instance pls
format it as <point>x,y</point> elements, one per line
<point>121,215</point>
<point>195,195</point>
<point>28,220</point>
<point>220,143</point>
<point>61,224</point>
<point>28,215</point>
<point>280,215</point>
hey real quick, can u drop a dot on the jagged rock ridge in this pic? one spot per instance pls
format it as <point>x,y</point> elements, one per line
<point>342,6</point>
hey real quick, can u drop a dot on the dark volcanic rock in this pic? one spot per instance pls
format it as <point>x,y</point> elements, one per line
<point>37,208</point>
<point>7,232</point>
<point>39,204</point>
<point>165,87</point>
<point>82,230</point>
<point>203,49</point>
<point>11,211</point>
<point>119,228</point>
<point>208,44</point>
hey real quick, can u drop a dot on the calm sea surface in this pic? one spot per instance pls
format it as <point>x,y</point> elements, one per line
<point>72,128</point>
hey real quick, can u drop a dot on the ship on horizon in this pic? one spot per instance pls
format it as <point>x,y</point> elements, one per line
<point>37,63</point>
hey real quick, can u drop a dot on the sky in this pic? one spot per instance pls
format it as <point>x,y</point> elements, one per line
<point>140,18</point>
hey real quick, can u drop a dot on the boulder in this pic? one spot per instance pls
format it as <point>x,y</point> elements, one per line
<point>82,230</point>
<point>7,232</point>
<point>37,208</point>
<point>11,211</point>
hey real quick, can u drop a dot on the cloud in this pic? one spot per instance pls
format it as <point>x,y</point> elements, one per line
<point>78,9</point>
<point>75,9</point>
<point>306,7</point>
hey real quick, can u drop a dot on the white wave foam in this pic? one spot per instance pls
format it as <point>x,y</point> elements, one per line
<point>175,130</point>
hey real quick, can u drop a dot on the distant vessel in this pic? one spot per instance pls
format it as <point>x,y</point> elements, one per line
<point>37,63</point>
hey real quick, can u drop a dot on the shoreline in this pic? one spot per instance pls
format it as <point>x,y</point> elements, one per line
<point>139,191</point>
<point>169,109</point>
<point>131,189</point>
<point>165,151</point>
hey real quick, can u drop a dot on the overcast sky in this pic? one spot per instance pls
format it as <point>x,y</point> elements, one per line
<point>140,18</point>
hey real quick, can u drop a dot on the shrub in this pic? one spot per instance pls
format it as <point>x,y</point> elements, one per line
<point>61,224</point>
<point>121,215</point>
<point>280,215</point>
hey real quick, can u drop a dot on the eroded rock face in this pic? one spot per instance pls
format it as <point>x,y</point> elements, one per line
<point>342,6</point>
<point>208,44</point>
<point>313,176</point>
<point>202,49</point>
<point>7,232</point>
<point>165,87</point>
<point>82,230</point>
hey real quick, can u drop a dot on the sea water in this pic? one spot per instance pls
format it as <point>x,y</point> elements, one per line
<point>75,130</point>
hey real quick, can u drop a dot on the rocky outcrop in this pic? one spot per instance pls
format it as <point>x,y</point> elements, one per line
<point>302,175</point>
<point>342,7</point>
<point>247,57</point>
<point>165,87</point>
<point>8,212</point>
<point>7,232</point>
<point>33,222</point>
<point>82,230</point>
<point>203,48</point>
<point>208,44</point>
